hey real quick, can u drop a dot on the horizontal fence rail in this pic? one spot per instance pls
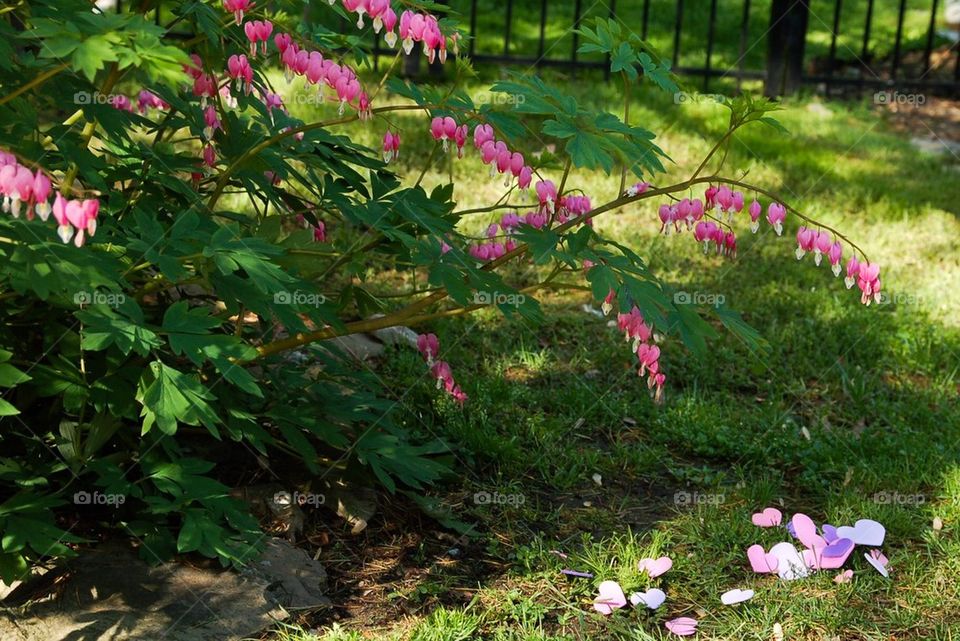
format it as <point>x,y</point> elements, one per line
<point>833,44</point>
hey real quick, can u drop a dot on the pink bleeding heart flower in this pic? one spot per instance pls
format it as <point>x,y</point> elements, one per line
<point>481,134</point>
<point>655,567</point>
<point>821,246</point>
<point>237,7</point>
<point>41,191</point>
<point>868,280</point>
<point>391,146</point>
<point>636,189</point>
<point>429,346</point>
<point>805,240</point>
<point>853,270</point>
<point>610,598</point>
<point>769,517</point>
<point>525,177</point>
<point>209,156</point>
<point>776,213</point>
<point>835,254</point>
<point>547,194</point>
<point>682,626</point>
<point>755,211</point>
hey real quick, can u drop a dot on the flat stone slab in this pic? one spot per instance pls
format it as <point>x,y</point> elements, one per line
<point>109,594</point>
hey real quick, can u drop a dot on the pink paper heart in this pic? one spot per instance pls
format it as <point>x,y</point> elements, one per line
<point>760,561</point>
<point>737,595</point>
<point>655,567</point>
<point>770,517</point>
<point>818,559</point>
<point>682,626</point>
<point>611,598</point>
<point>844,577</point>
<point>806,531</point>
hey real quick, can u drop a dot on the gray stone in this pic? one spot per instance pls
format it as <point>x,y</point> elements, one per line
<point>109,594</point>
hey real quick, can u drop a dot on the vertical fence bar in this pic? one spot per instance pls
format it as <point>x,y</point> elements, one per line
<point>710,30</point>
<point>676,33</point>
<point>744,34</point>
<point>473,27</point>
<point>865,51</point>
<point>833,37</point>
<point>506,31</point>
<point>576,36</point>
<point>896,45</point>
<point>543,30</point>
<point>928,49</point>
<point>646,19</point>
<point>613,14</point>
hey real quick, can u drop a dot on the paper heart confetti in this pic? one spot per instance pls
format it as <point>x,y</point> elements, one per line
<point>731,597</point>
<point>864,532</point>
<point>682,626</point>
<point>761,561</point>
<point>806,531</point>
<point>790,564</point>
<point>878,561</point>
<point>844,577</point>
<point>770,517</point>
<point>817,557</point>
<point>579,575</point>
<point>611,598</point>
<point>655,567</point>
<point>829,533</point>
<point>652,598</point>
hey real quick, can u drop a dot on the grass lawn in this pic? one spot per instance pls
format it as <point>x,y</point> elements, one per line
<point>853,413</point>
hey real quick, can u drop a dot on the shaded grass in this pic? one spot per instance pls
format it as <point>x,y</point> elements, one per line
<point>853,412</point>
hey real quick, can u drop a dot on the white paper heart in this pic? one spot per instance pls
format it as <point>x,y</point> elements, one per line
<point>652,598</point>
<point>790,564</point>
<point>864,532</point>
<point>736,595</point>
<point>878,561</point>
<point>611,597</point>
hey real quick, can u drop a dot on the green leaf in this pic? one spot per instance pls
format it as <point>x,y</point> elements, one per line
<point>174,397</point>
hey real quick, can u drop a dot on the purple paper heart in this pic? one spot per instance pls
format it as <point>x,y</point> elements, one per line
<point>791,530</point>
<point>840,547</point>
<point>829,533</point>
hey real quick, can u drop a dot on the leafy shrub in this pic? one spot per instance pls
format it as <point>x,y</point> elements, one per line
<point>171,261</point>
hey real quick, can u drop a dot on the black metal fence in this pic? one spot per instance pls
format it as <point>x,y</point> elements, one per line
<point>833,44</point>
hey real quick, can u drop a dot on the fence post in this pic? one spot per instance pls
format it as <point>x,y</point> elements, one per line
<point>786,41</point>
